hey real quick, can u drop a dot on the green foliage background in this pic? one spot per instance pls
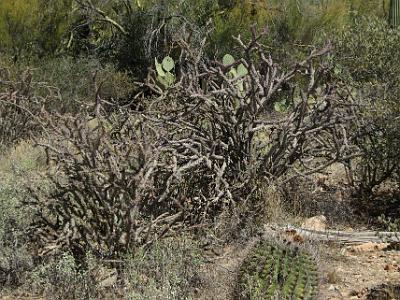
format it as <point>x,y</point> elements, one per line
<point>33,27</point>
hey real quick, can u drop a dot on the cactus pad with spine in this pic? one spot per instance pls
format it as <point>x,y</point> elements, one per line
<point>274,271</point>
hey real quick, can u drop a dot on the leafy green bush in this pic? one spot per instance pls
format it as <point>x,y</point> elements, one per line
<point>130,36</point>
<point>367,58</point>
<point>289,22</point>
<point>167,269</point>
<point>61,85</point>
<point>33,28</point>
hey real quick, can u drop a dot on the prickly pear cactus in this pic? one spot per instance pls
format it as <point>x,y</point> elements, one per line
<point>235,73</point>
<point>164,71</point>
<point>272,271</point>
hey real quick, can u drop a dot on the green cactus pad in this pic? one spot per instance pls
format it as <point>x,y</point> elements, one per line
<point>228,60</point>
<point>164,75</point>
<point>242,70</point>
<point>167,80</point>
<point>159,68</point>
<point>273,271</point>
<point>168,63</point>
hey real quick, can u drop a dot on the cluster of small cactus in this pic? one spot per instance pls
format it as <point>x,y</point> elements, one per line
<point>164,71</point>
<point>272,271</point>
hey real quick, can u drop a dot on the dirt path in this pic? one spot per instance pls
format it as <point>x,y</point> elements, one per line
<point>352,275</point>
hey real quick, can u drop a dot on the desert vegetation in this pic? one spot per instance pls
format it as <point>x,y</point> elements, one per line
<point>141,139</point>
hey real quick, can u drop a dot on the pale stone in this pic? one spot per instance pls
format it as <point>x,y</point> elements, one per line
<point>367,247</point>
<point>318,223</point>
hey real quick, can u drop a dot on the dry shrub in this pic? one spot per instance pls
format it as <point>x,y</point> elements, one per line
<point>202,147</point>
<point>309,197</point>
<point>21,103</point>
<point>113,185</point>
<point>18,167</point>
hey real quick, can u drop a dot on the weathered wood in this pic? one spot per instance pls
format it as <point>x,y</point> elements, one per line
<point>337,236</point>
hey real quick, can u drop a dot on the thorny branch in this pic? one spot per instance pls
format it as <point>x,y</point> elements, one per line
<point>124,178</point>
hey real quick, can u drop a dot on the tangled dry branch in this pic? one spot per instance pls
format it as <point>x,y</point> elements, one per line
<point>201,146</point>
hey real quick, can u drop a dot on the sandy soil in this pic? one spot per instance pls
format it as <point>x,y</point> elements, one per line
<point>352,275</point>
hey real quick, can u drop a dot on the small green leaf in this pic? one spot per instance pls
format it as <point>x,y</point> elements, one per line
<point>228,60</point>
<point>168,63</point>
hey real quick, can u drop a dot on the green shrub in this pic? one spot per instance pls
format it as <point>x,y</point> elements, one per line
<point>367,49</point>
<point>31,28</point>
<point>289,22</point>
<point>168,269</point>
<point>77,81</point>
<point>61,85</point>
<point>146,29</point>
<point>156,29</point>
<point>17,171</point>
<point>368,60</point>
<point>63,278</point>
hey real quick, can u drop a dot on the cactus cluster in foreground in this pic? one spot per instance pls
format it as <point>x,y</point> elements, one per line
<point>273,271</point>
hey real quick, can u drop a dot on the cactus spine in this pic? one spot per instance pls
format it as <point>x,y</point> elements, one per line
<point>394,13</point>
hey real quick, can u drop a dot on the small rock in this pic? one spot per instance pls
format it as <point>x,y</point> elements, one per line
<point>109,281</point>
<point>318,223</point>
<point>392,268</point>
<point>367,247</point>
<point>349,229</point>
<point>332,288</point>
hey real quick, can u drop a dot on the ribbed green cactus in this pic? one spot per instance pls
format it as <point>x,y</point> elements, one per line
<point>394,13</point>
<point>272,271</point>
